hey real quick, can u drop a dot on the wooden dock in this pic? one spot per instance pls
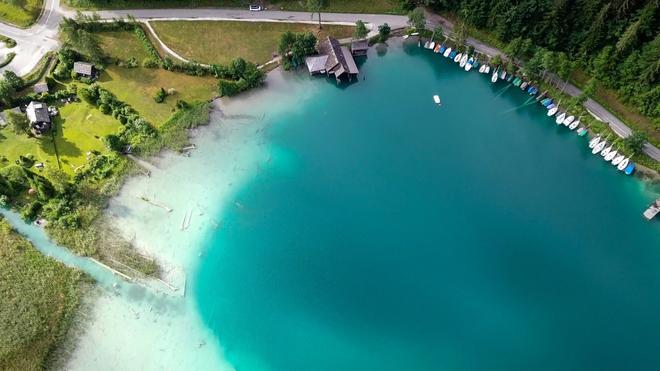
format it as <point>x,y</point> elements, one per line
<point>653,210</point>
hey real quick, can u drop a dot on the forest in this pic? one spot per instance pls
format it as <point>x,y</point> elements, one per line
<point>615,41</point>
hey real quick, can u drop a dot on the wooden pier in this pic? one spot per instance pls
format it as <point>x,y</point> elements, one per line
<point>653,210</point>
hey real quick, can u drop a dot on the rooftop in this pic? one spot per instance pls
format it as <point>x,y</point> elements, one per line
<point>37,112</point>
<point>83,68</point>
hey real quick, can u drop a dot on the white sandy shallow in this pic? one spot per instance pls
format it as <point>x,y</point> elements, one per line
<point>134,328</point>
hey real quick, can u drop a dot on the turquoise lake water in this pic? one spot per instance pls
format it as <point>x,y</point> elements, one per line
<point>389,234</point>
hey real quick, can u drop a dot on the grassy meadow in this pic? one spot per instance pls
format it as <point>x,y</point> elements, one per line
<point>221,41</point>
<point>21,13</point>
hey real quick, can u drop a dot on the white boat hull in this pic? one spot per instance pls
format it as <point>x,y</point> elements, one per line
<point>494,78</point>
<point>436,99</point>
<point>468,67</point>
<point>458,57</point>
<point>463,61</point>
<point>574,125</point>
<point>552,111</point>
<point>594,142</point>
<point>482,69</point>
<point>617,160</point>
<point>622,166</point>
<point>598,148</point>
<point>569,120</point>
<point>487,70</point>
<point>560,118</point>
<point>606,151</point>
<point>447,52</point>
<point>610,156</point>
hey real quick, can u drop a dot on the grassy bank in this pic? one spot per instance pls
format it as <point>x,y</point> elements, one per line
<point>39,299</point>
<point>20,13</point>
<point>345,6</point>
<point>220,42</point>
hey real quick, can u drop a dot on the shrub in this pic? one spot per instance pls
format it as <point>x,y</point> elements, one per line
<point>160,96</point>
<point>150,62</point>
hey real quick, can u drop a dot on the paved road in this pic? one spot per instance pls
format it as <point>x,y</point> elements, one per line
<point>34,42</point>
<point>395,21</point>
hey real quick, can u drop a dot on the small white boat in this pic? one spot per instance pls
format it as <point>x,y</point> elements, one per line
<point>436,99</point>
<point>487,69</point>
<point>523,86</point>
<point>458,57</point>
<point>574,125</point>
<point>494,78</point>
<point>426,45</point>
<point>607,150</point>
<point>447,52</point>
<point>406,36</point>
<point>569,120</point>
<point>560,118</point>
<point>623,164</point>
<point>432,45</point>
<point>553,110</point>
<point>463,61</point>
<point>468,67</point>
<point>599,147</point>
<point>617,160</point>
<point>610,156</point>
<point>482,69</point>
<point>594,142</point>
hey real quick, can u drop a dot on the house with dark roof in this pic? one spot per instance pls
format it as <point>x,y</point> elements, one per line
<point>360,47</point>
<point>333,59</point>
<point>84,69</point>
<point>39,117</point>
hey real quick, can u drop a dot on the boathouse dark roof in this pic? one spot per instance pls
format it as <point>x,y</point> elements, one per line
<point>83,68</point>
<point>338,59</point>
<point>360,47</point>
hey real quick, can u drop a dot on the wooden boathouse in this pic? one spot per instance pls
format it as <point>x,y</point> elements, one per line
<point>333,60</point>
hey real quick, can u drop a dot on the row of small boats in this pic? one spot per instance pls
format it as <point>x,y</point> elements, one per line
<point>598,145</point>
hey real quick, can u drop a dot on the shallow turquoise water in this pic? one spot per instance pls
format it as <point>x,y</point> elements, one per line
<point>389,234</point>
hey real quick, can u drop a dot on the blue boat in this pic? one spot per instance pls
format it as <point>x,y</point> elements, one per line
<point>629,169</point>
<point>442,48</point>
<point>550,106</point>
<point>547,102</point>
<point>452,54</point>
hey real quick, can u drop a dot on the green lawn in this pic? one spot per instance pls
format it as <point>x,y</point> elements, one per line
<point>222,41</point>
<point>77,130</point>
<point>346,6</point>
<point>39,299</point>
<point>122,45</point>
<point>137,87</point>
<point>21,13</point>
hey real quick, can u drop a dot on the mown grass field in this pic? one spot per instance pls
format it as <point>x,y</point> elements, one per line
<point>137,87</point>
<point>21,13</point>
<point>39,299</point>
<point>122,45</point>
<point>344,6</point>
<point>220,41</point>
<point>77,130</point>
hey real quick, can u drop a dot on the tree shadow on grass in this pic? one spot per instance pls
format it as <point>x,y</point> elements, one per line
<point>54,143</point>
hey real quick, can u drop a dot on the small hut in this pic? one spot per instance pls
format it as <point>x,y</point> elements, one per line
<point>359,48</point>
